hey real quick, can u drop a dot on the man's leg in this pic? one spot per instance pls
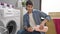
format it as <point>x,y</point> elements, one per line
<point>42,32</point>
<point>20,31</point>
<point>23,32</point>
<point>35,32</point>
<point>26,32</point>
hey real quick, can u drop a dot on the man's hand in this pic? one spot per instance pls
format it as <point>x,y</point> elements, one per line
<point>45,29</point>
<point>37,28</point>
<point>30,29</point>
<point>41,26</point>
<point>43,23</point>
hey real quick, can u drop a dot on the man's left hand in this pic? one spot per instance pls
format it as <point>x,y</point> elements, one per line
<point>41,26</point>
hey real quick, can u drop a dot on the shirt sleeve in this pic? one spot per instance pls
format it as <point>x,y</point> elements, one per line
<point>45,16</point>
<point>25,25</point>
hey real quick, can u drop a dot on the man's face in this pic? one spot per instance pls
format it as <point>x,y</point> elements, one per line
<point>29,8</point>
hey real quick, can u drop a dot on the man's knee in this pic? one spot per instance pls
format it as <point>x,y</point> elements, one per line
<point>35,32</point>
<point>20,31</point>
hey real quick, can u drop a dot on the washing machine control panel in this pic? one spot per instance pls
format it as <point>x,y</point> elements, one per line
<point>8,13</point>
<point>8,10</point>
<point>4,12</point>
<point>16,12</point>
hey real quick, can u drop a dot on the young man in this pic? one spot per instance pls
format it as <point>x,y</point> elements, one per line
<point>33,18</point>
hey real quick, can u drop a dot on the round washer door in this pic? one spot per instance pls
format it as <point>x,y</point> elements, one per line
<point>3,30</point>
<point>11,26</point>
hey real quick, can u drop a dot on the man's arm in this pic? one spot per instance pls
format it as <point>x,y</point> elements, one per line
<point>45,16</point>
<point>42,24</point>
<point>26,26</point>
<point>46,19</point>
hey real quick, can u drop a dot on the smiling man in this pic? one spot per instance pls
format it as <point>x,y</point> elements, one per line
<point>33,18</point>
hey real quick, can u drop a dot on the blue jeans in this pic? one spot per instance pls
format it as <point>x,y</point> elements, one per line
<point>26,32</point>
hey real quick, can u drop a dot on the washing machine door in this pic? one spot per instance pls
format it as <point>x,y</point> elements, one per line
<point>11,27</point>
<point>3,30</point>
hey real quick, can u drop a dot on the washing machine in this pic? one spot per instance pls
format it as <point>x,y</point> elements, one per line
<point>10,18</point>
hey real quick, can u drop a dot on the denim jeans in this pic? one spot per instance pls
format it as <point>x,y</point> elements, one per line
<point>26,32</point>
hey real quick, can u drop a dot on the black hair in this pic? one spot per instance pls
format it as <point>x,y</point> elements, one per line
<point>29,2</point>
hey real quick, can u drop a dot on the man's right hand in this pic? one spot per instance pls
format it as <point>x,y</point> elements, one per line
<point>30,29</point>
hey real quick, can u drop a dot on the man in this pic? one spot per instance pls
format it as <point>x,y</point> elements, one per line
<point>33,18</point>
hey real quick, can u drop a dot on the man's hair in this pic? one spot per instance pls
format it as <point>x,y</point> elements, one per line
<point>29,3</point>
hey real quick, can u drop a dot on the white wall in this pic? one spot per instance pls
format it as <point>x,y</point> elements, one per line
<point>36,4</point>
<point>50,6</point>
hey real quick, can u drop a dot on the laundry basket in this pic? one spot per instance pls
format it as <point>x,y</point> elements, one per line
<point>3,30</point>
